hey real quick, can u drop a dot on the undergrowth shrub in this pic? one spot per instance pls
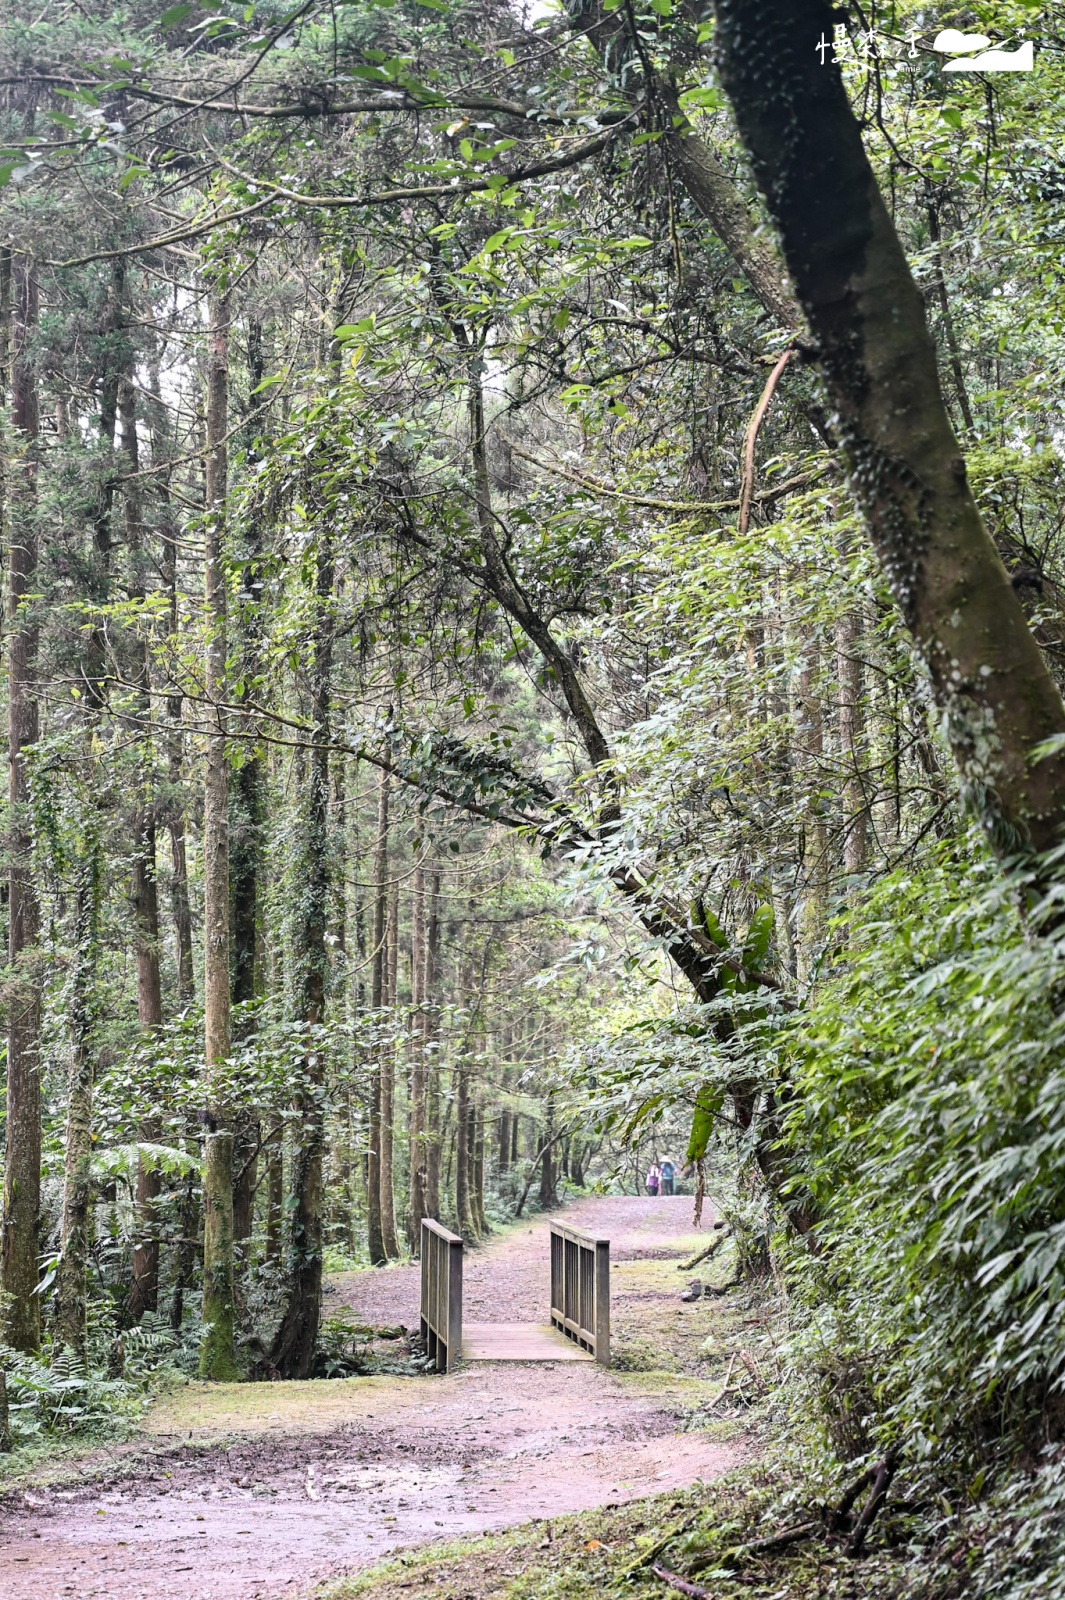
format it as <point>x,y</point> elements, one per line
<point>927,1110</point>
<point>60,1395</point>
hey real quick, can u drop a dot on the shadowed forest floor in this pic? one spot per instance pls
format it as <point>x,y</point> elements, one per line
<point>243,1492</point>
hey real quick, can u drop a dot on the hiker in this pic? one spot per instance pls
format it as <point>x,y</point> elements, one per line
<point>668,1172</point>
<point>654,1178</point>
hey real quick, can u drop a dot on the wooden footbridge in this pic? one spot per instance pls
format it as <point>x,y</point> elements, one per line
<point>578,1328</point>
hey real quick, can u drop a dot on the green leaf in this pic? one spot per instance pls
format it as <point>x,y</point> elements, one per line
<point>759,935</point>
<point>174,16</point>
<point>708,1104</point>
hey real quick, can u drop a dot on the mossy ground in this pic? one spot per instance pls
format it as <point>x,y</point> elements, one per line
<point>608,1554</point>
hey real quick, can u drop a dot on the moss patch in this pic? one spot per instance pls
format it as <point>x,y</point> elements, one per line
<point>608,1554</point>
<point>319,1405</point>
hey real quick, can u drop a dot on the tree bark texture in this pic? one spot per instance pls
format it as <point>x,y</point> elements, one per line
<point>375,1233</point>
<point>296,1340</point>
<point>22,1151</point>
<point>217,1352</point>
<point>851,741</point>
<point>417,1124</point>
<point>430,987</point>
<point>878,361</point>
<point>217,1355</point>
<point>74,1238</point>
<point>187,1250</point>
<point>180,909</point>
<point>144,896</point>
<point>810,751</point>
<point>467,1225</point>
<point>76,1223</point>
<point>389,1235</point>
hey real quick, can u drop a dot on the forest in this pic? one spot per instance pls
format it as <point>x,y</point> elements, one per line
<point>534,642</point>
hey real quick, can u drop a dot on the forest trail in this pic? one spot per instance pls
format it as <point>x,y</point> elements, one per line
<point>252,1492</point>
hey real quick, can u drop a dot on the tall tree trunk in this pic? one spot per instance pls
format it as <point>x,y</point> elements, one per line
<point>76,1224</point>
<point>389,1235</point>
<point>247,818</point>
<point>175,811</point>
<point>809,745</point>
<point>477,1170</point>
<point>504,1125</point>
<point>463,1210</point>
<point>70,1281</point>
<point>144,1288</point>
<point>878,361</point>
<point>217,1352</point>
<point>417,1127</point>
<point>22,1151</point>
<point>548,1194</point>
<point>187,1250</point>
<point>374,1227</point>
<point>275,1190</point>
<point>430,1000</point>
<point>856,802</point>
<point>297,1337</point>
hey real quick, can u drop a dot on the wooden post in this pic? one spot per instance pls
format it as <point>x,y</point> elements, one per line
<point>454,1301</point>
<point>602,1302</point>
<point>441,1296</point>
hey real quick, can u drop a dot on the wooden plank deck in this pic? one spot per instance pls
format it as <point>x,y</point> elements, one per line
<point>517,1341</point>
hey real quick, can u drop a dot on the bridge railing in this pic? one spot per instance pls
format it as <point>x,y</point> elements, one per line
<point>580,1289</point>
<point>441,1309</point>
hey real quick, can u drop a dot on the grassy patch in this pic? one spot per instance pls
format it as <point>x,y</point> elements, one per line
<point>318,1405</point>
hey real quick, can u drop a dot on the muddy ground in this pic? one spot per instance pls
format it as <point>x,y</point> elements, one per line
<point>257,1491</point>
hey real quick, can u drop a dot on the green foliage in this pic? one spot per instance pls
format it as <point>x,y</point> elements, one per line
<point>62,1396</point>
<point>928,1113</point>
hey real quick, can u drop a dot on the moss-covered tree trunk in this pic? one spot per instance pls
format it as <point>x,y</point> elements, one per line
<point>246,824</point>
<point>76,1224</point>
<point>74,1239</point>
<point>22,1145</point>
<point>875,352</point>
<point>144,895</point>
<point>217,1352</point>
<point>296,1340</point>
<point>374,1229</point>
<point>417,1125</point>
<point>852,740</point>
<point>180,909</point>
<point>430,1001</point>
<point>389,1233</point>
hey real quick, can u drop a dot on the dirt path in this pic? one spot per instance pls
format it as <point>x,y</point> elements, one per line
<point>256,1491</point>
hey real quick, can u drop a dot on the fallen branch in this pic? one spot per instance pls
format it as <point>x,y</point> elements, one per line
<point>723,1391</point>
<point>774,1541</point>
<point>752,1367</point>
<point>682,1586</point>
<point>708,1251</point>
<point>656,1549</point>
<point>777,1541</point>
<point>837,1517</point>
<point>885,1471</point>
